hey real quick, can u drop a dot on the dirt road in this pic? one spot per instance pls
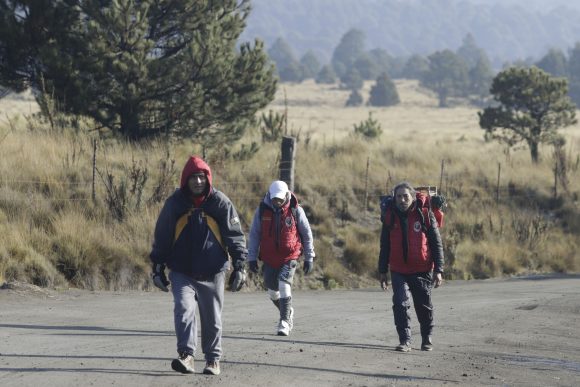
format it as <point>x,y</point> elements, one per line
<point>517,332</point>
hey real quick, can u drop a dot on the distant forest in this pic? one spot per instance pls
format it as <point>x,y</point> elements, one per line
<point>507,31</point>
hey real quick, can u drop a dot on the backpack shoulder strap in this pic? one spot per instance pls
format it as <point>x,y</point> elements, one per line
<point>261,209</point>
<point>386,204</point>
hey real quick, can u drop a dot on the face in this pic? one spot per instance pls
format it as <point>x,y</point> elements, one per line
<point>403,199</point>
<point>277,202</point>
<point>197,183</point>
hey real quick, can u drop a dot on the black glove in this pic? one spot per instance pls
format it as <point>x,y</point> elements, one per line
<point>308,266</point>
<point>159,278</point>
<point>254,267</point>
<point>237,280</point>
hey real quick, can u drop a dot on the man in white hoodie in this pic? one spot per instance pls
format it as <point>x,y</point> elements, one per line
<point>280,234</point>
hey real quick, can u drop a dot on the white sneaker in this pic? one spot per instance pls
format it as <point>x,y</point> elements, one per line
<point>283,328</point>
<point>183,364</point>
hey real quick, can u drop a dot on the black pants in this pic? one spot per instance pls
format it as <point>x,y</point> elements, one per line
<point>419,286</point>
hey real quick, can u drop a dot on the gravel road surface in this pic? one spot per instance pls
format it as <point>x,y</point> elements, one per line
<point>514,332</point>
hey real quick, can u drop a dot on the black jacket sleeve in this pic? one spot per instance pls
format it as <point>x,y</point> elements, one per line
<point>435,243</point>
<point>384,250</point>
<point>231,230</point>
<point>164,232</point>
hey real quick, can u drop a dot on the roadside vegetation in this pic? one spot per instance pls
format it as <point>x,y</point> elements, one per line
<point>54,234</point>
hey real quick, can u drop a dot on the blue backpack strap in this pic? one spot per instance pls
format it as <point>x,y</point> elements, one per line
<point>261,210</point>
<point>386,203</point>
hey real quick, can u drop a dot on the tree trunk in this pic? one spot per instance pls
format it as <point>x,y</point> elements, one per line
<point>130,121</point>
<point>442,94</point>
<point>534,151</point>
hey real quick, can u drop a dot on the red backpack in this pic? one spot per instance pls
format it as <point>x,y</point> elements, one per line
<point>429,201</point>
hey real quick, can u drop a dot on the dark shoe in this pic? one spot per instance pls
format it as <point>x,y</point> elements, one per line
<point>183,363</point>
<point>403,347</point>
<point>212,368</point>
<point>427,344</point>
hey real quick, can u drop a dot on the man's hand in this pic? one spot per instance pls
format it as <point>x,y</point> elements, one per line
<point>254,267</point>
<point>437,280</point>
<point>308,267</point>
<point>159,278</point>
<point>237,279</point>
<point>384,281</point>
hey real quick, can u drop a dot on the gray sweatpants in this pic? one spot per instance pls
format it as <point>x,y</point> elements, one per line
<point>208,297</point>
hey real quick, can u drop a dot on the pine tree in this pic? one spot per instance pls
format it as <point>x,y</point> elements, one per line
<point>326,75</point>
<point>366,67</point>
<point>310,65</point>
<point>351,46</point>
<point>447,75</point>
<point>531,107</point>
<point>554,62</point>
<point>140,68</point>
<point>384,92</point>
<point>354,99</point>
<point>352,79</point>
<point>415,67</point>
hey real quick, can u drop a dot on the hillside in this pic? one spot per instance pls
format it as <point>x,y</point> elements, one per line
<point>53,234</point>
<point>505,30</point>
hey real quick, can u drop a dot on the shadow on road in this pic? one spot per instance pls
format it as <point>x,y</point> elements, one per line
<point>93,370</point>
<point>543,277</point>
<point>85,357</point>
<point>340,371</point>
<point>172,373</point>
<point>121,332</point>
<point>277,339</point>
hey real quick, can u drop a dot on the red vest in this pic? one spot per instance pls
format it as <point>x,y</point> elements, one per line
<point>418,255</point>
<point>279,242</point>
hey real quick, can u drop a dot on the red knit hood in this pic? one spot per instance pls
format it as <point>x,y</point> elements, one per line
<point>195,165</point>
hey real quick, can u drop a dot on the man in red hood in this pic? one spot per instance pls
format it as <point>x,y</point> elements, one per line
<point>197,231</point>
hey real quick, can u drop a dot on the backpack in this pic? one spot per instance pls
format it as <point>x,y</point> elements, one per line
<point>429,200</point>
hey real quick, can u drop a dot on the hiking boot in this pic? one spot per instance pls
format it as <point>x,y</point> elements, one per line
<point>284,328</point>
<point>403,347</point>
<point>427,344</point>
<point>183,363</point>
<point>212,368</point>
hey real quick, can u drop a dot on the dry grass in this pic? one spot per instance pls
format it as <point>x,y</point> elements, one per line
<point>53,234</point>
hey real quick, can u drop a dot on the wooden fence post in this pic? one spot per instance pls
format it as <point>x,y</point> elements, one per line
<point>497,187</point>
<point>287,161</point>
<point>441,176</point>
<point>556,180</point>
<point>366,197</point>
<point>93,193</point>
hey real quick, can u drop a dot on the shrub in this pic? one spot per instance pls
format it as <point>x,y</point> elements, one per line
<point>354,99</point>
<point>369,129</point>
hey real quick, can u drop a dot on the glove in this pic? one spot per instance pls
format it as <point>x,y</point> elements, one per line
<point>237,280</point>
<point>254,267</point>
<point>308,266</point>
<point>159,278</point>
<point>384,281</point>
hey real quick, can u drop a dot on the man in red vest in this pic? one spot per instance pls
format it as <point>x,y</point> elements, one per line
<point>280,234</point>
<point>411,248</point>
